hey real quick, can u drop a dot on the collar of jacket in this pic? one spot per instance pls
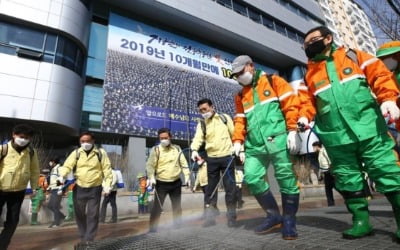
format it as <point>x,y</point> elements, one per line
<point>17,148</point>
<point>94,149</point>
<point>259,73</point>
<point>322,57</point>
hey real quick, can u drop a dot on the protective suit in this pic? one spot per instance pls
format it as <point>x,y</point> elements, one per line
<point>389,53</point>
<point>350,124</point>
<point>143,195</point>
<point>39,198</point>
<point>264,113</point>
<point>266,108</point>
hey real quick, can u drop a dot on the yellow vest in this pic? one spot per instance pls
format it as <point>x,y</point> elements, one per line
<point>90,172</point>
<point>166,163</point>
<point>17,169</point>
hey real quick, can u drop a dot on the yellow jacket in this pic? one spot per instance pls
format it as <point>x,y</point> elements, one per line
<point>89,171</point>
<point>201,178</point>
<point>167,163</point>
<point>218,136</point>
<point>17,169</point>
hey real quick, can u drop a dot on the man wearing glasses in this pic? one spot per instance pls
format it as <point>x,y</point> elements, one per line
<point>350,122</point>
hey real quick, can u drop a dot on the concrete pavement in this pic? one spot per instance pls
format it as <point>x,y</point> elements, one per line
<point>319,227</point>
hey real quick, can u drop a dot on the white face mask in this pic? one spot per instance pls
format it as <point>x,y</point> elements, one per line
<point>207,115</point>
<point>86,146</point>
<point>165,142</point>
<point>245,79</point>
<point>22,142</point>
<point>390,63</point>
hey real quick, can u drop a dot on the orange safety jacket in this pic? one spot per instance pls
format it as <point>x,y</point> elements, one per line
<point>340,91</point>
<point>264,113</point>
<point>42,182</point>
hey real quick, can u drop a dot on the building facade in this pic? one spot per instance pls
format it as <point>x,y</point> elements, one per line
<point>350,24</point>
<point>124,68</point>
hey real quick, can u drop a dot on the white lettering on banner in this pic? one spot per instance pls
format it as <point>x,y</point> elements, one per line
<point>170,52</point>
<point>133,37</point>
<point>189,62</point>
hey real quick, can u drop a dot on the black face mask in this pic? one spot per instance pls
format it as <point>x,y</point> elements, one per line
<point>315,48</point>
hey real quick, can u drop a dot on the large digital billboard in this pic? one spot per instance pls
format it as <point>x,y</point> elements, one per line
<point>154,79</point>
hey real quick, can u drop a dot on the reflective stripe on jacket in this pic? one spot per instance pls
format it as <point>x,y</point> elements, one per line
<point>340,91</point>
<point>264,113</point>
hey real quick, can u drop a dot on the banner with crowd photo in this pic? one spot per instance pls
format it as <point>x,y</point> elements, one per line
<point>154,79</point>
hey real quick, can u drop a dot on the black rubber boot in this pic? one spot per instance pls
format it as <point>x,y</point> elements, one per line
<point>273,220</point>
<point>290,205</point>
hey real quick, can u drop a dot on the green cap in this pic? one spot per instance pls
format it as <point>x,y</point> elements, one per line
<point>388,48</point>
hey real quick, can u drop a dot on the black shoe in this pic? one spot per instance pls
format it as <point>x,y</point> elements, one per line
<point>112,221</point>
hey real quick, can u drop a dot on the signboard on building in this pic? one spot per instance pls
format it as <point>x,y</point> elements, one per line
<point>154,79</point>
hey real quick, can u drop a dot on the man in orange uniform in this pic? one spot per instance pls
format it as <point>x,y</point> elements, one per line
<point>40,196</point>
<point>267,112</point>
<point>350,123</point>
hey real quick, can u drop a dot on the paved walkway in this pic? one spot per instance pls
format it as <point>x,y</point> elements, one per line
<point>319,228</point>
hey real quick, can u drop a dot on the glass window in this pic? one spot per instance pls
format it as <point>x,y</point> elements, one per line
<point>268,22</point>
<point>93,99</point>
<point>69,55</point>
<point>96,68</point>
<point>226,3</point>
<point>280,29</point>
<point>304,15</point>
<point>27,38</point>
<point>292,34</point>
<point>292,8</point>
<point>79,61</point>
<point>239,8</point>
<point>66,53</point>
<point>4,32</point>
<point>7,49</point>
<point>98,41</point>
<point>50,45</point>
<point>256,17</point>
<point>300,38</point>
<point>48,58</point>
<point>92,106</point>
